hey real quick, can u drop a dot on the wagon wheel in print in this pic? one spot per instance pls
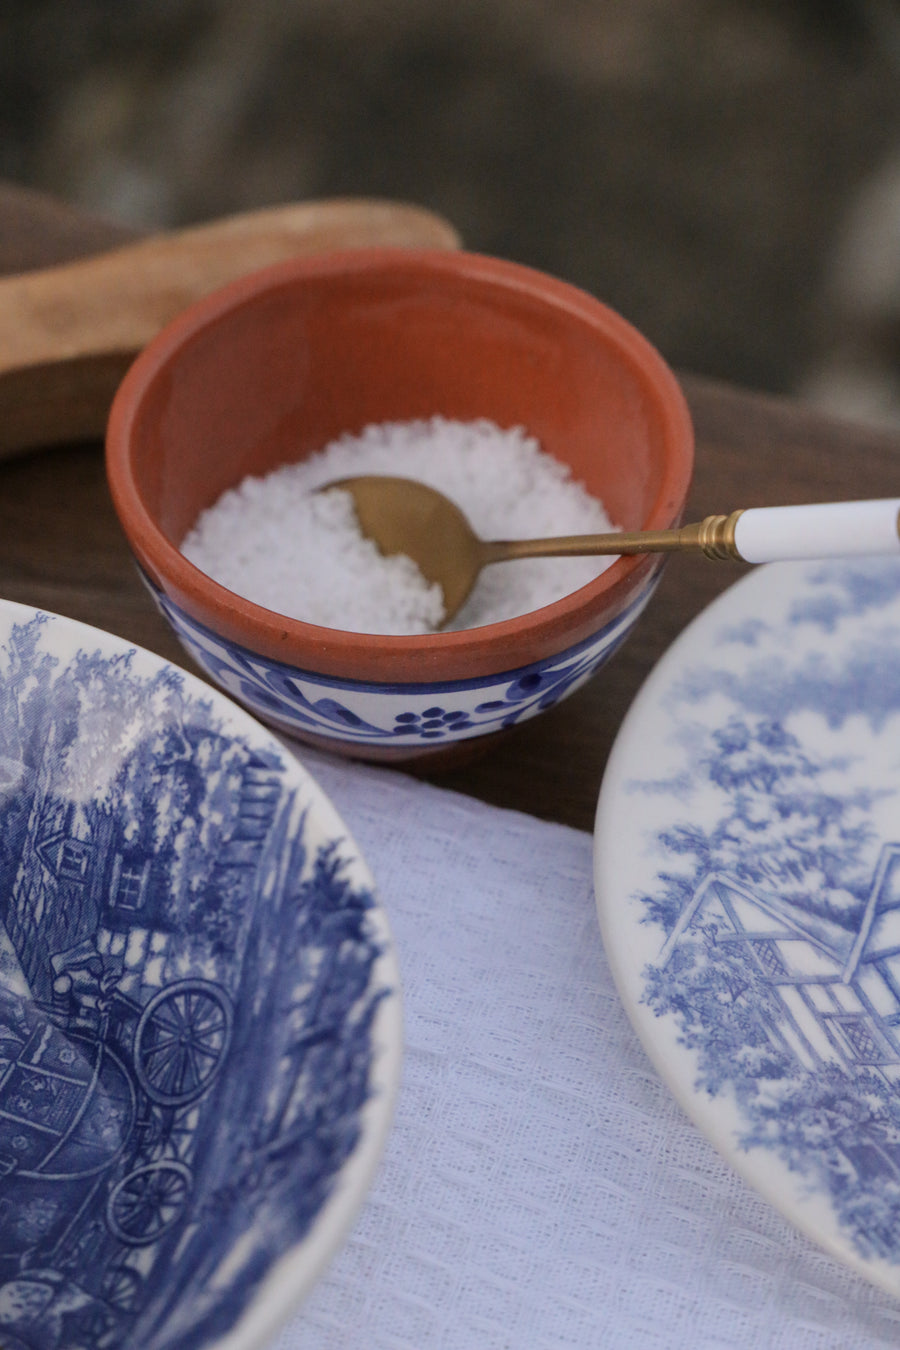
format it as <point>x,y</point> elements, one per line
<point>122,1288</point>
<point>166,1132</point>
<point>121,1291</point>
<point>147,1202</point>
<point>181,1041</point>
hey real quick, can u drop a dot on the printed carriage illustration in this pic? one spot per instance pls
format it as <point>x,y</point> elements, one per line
<point>86,1087</point>
<point>109,1035</point>
<point>69,1099</point>
<point>113,1034</point>
<point>97,1101</point>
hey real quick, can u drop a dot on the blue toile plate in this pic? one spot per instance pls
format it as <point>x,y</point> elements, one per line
<point>199,1007</point>
<point>747,869</point>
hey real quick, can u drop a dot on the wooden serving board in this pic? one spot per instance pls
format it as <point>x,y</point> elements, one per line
<point>69,332</point>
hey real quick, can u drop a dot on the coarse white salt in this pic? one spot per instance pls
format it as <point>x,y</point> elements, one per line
<point>278,544</point>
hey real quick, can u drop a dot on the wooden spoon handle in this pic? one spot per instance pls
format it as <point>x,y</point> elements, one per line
<point>69,333</point>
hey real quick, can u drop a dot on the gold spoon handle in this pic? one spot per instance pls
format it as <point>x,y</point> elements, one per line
<point>712,536</point>
<point>756,535</point>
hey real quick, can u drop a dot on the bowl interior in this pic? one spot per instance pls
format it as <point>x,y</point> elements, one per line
<point>280,365</point>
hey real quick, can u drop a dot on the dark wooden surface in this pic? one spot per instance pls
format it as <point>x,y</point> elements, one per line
<point>61,547</point>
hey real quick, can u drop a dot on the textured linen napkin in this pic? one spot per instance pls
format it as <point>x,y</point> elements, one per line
<point>541,1188</point>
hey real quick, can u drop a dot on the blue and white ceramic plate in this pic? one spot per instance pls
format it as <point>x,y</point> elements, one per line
<point>199,1007</point>
<point>747,866</point>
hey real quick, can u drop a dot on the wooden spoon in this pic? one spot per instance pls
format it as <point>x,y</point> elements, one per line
<point>402,515</point>
<point>69,333</point>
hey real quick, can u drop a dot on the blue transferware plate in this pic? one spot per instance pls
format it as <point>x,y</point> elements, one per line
<point>199,1007</point>
<point>747,869</point>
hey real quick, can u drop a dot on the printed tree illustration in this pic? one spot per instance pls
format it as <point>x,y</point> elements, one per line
<point>107,738</point>
<point>778,830</point>
<point>843,1131</point>
<point>24,671</point>
<point>171,781</point>
<point>327,1021</point>
<point>777,827</point>
<point>307,970</point>
<point>24,674</point>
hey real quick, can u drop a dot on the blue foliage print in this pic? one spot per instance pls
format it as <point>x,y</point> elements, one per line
<point>778,897</point>
<point>186,1007</point>
<point>370,714</point>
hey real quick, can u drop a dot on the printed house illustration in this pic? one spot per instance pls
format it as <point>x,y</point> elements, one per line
<point>838,988</point>
<point>83,892</point>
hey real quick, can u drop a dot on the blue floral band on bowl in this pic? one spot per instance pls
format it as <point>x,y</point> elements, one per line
<point>368,713</point>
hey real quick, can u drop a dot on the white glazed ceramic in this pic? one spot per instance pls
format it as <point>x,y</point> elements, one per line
<point>199,1007</point>
<point>747,866</point>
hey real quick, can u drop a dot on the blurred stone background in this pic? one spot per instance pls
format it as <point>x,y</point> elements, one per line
<point>726,173</point>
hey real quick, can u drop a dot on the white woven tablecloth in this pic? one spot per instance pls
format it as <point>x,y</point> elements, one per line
<point>541,1188</point>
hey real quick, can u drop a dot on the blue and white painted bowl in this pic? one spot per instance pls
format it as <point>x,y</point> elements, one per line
<point>276,365</point>
<point>199,1007</point>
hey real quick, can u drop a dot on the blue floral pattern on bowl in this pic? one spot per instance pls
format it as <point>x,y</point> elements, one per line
<point>367,714</point>
<point>748,880</point>
<point>195,984</point>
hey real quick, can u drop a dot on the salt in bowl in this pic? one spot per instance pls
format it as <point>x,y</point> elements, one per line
<point>276,365</point>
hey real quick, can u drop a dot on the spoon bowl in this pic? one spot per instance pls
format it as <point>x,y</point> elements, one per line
<point>403,515</point>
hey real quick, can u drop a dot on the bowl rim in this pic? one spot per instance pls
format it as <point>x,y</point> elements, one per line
<point>519,641</point>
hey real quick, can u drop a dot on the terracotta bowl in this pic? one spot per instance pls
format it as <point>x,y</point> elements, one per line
<point>274,366</point>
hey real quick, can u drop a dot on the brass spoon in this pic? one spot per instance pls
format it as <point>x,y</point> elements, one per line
<point>402,515</point>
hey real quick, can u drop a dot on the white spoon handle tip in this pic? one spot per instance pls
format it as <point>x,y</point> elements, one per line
<point>830,530</point>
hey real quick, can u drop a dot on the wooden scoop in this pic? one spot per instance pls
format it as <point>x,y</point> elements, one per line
<point>69,333</point>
